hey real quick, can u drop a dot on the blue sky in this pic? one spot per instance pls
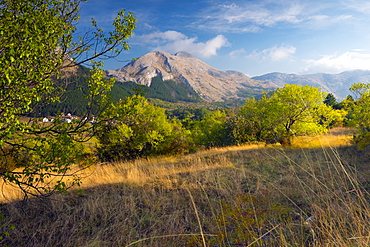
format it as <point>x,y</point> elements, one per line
<point>251,36</point>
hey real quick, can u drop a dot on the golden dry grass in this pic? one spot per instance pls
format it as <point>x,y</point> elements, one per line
<point>336,137</point>
<point>144,170</point>
<point>181,201</point>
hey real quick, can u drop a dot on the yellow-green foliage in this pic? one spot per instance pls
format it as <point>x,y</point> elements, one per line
<point>289,111</point>
<point>211,130</point>
<point>138,128</point>
<point>361,114</point>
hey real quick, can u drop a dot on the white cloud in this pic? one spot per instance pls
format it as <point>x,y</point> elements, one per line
<point>159,37</point>
<point>324,21</point>
<point>274,53</point>
<point>173,41</point>
<point>358,5</point>
<point>338,63</point>
<point>236,53</point>
<point>247,17</point>
<point>255,16</point>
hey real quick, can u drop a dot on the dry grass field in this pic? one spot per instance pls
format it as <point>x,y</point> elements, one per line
<point>315,193</point>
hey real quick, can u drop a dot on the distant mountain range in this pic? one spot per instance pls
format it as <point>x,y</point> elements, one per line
<point>214,85</point>
<point>337,84</point>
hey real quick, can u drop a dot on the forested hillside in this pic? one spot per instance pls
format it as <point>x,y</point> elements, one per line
<point>170,91</point>
<point>74,90</point>
<point>73,100</point>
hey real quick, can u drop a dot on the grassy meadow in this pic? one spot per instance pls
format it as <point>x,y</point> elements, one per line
<point>315,193</point>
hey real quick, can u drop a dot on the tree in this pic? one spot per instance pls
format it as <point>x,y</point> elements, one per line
<point>252,123</point>
<point>38,45</point>
<point>361,114</point>
<point>137,128</point>
<point>211,130</point>
<point>284,113</point>
<point>347,104</point>
<point>299,110</point>
<point>330,100</point>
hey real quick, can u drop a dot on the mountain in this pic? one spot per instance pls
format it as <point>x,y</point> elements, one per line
<point>210,84</point>
<point>184,71</point>
<point>337,84</point>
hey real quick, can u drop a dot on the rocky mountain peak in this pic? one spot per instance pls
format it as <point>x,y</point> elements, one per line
<point>210,83</point>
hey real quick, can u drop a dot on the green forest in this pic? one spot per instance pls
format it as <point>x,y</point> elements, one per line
<point>74,100</point>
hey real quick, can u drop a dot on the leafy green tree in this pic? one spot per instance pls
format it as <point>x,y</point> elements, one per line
<point>38,45</point>
<point>252,122</point>
<point>299,110</point>
<point>200,112</point>
<point>179,141</point>
<point>361,114</point>
<point>289,111</point>
<point>211,131</point>
<point>349,98</point>
<point>347,104</point>
<point>137,128</point>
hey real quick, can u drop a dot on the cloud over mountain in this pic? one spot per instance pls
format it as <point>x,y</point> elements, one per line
<point>173,41</point>
<point>274,53</point>
<point>281,35</point>
<point>336,63</point>
<point>247,16</point>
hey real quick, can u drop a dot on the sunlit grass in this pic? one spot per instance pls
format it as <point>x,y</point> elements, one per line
<point>145,170</point>
<point>335,138</point>
<point>315,197</point>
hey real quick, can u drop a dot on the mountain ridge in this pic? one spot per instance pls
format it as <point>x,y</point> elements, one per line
<point>211,84</point>
<point>337,84</point>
